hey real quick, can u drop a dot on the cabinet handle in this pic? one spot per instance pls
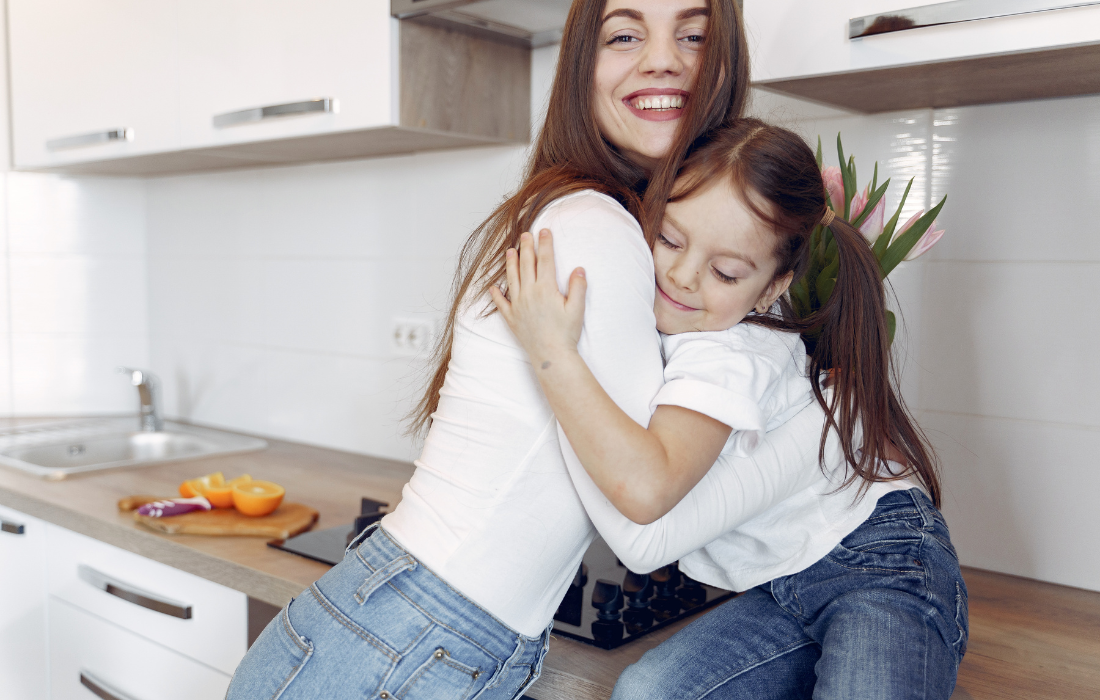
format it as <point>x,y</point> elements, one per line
<point>92,139</point>
<point>951,13</point>
<point>101,689</point>
<point>11,528</point>
<point>321,105</point>
<point>134,595</point>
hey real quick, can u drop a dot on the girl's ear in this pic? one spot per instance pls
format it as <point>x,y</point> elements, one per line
<point>773,291</point>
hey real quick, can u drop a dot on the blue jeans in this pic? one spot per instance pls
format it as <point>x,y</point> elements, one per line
<point>381,625</point>
<point>882,616</point>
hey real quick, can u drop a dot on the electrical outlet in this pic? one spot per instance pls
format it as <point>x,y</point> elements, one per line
<point>411,336</point>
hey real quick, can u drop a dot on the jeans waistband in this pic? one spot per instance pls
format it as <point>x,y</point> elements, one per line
<point>912,503</point>
<point>440,601</point>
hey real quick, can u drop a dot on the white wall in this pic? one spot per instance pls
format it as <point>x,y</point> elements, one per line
<point>72,287</point>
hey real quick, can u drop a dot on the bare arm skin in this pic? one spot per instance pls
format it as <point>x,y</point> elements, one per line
<point>643,472</point>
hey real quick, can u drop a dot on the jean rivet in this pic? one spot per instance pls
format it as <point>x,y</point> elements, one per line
<point>438,653</point>
<point>384,695</point>
<point>917,562</point>
<point>476,674</point>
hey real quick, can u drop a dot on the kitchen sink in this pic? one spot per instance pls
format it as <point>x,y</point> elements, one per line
<point>56,450</point>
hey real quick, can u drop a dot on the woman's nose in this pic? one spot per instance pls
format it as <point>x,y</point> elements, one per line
<point>661,57</point>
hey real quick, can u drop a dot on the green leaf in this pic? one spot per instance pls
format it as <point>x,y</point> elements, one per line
<point>820,156</point>
<point>826,280</point>
<point>800,298</point>
<point>905,242</point>
<point>872,201</point>
<point>891,327</point>
<point>874,182</point>
<point>883,241</point>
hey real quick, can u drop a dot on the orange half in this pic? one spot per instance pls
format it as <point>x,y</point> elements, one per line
<point>257,497</point>
<point>222,496</point>
<point>199,486</point>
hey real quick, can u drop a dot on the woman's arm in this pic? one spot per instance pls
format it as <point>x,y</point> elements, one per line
<point>643,471</point>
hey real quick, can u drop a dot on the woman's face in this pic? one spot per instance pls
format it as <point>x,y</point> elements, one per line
<point>715,262</point>
<point>645,66</point>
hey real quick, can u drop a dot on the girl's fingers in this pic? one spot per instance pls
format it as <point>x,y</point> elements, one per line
<point>574,302</point>
<point>511,271</point>
<point>502,303</point>
<point>546,269</point>
<point>527,272</point>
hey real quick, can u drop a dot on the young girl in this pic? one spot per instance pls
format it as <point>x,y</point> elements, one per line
<point>854,589</point>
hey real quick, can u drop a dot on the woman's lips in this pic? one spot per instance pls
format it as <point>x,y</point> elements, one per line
<point>675,304</point>
<point>676,100</point>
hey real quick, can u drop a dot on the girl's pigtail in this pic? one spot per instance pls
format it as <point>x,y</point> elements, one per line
<point>853,347</point>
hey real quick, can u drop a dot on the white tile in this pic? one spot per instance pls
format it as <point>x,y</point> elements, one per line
<point>1022,180</point>
<point>1017,496</point>
<point>82,215</point>
<point>77,295</point>
<point>213,299</point>
<point>1011,340</point>
<point>73,374</point>
<point>905,290</point>
<point>5,375</point>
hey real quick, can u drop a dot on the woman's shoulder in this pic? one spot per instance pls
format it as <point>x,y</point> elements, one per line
<point>587,209</point>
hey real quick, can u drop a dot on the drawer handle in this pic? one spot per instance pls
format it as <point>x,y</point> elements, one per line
<point>320,105</point>
<point>92,139</point>
<point>134,595</point>
<point>100,688</point>
<point>11,528</point>
<point>951,13</point>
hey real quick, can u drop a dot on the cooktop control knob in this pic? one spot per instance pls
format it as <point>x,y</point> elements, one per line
<point>692,594</point>
<point>607,598</point>
<point>638,589</point>
<point>581,579</point>
<point>665,580</point>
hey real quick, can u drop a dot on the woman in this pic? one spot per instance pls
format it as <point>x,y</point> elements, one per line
<point>454,595</point>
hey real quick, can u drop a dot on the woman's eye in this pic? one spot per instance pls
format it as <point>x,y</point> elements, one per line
<point>666,243</point>
<point>622,39</point>
<point>723,277</point>
<point>693,38</point>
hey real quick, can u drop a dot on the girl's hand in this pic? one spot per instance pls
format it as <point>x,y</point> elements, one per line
<point>545,322</point>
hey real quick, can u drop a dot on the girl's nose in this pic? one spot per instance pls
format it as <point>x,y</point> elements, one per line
<point>661,57</point>
<point>683,277</point>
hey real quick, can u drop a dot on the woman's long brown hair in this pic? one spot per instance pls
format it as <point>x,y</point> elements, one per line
<point>779,179</point>
<point>571,155</point>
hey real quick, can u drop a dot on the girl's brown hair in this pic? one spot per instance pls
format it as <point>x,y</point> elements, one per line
<point>779,179</point>
<point>571,155</point>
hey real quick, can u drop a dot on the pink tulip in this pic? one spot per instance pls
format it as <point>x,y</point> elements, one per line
<point>906,226</point>
<point>859,202</point>
<point>872,226</point>
<point>834,185</point>
<point>929,239</point>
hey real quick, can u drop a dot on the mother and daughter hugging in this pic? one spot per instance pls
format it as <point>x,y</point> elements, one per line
<point>766,454</point>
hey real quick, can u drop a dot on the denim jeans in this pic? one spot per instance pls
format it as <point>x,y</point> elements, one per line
<point>381,625</point>
<point>882,616</point>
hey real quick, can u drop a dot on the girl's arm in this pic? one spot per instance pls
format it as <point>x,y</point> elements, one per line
<point>644,472</point>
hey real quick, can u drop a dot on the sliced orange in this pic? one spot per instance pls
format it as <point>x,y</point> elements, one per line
<point>198,487</point>
<point>222,496</point>
<point>257,497</point>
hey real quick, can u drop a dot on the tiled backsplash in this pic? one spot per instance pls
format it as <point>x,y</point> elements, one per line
<point>264,298</point>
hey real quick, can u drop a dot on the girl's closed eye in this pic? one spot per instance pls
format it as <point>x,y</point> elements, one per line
<point>728,279</point>
<point>667,242</point>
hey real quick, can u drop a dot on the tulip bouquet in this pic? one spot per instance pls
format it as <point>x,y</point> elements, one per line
<point>866,210</point>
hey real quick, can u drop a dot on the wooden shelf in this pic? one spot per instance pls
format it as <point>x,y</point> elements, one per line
<point>1031,75</point>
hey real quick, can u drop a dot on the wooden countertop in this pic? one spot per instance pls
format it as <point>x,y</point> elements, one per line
<point>328,480</point>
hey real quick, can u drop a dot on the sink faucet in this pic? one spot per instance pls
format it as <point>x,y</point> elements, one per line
<point>148,387</point>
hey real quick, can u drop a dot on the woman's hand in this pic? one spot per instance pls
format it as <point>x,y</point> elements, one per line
<point>546,323</point>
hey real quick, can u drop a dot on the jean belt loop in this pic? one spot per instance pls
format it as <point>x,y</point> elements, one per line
<point>361,537</point>
<point>382,574</point>
<point>926,520</point>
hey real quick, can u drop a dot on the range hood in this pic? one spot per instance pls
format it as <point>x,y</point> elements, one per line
<point>533,23</point>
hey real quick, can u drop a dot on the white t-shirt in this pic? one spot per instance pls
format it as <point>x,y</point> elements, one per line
<point>754,379</point>
<point>500,507</point>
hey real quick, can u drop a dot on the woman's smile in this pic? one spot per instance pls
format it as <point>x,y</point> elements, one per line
<point>657,104</point>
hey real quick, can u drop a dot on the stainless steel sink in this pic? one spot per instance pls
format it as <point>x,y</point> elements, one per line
<point>56,450</point>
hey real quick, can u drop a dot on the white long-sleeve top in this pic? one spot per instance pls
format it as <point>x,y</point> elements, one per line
<point>500,507</point>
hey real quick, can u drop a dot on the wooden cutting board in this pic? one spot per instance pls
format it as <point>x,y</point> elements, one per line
<point>289,519</point>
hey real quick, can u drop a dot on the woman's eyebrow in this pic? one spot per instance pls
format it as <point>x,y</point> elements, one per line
<point>694,12</point>
<point>624,12</point>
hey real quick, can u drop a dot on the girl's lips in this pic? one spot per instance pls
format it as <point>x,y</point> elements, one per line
<point>656,115</point>
<point>675,304</point>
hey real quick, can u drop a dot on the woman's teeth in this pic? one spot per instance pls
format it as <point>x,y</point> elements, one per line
<point>659,102</point>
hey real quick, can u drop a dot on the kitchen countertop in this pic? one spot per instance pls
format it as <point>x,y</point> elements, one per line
<point>328,480</point>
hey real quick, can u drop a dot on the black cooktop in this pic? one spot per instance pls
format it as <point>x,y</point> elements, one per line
<point>606,605</point>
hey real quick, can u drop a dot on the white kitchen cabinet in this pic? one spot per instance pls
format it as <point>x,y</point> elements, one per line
<point>238,55</point>
<point>92,657</point>
<point>803,48</point>
<point>188,614</point>
<point>23,657</point>
<point>92,80</point>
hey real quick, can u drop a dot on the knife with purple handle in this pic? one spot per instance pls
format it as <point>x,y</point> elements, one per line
<point>174,506</point>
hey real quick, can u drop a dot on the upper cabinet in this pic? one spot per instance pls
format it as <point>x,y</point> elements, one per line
<point>92,79</point>
<point>879,55</point>
<point>145,87</point>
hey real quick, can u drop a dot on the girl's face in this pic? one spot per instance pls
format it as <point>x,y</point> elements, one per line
<point>714,261</point>
<point>645,66</point>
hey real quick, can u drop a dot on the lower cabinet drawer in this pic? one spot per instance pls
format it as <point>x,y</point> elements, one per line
<point>90,657</point>
<point>183,612</point>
